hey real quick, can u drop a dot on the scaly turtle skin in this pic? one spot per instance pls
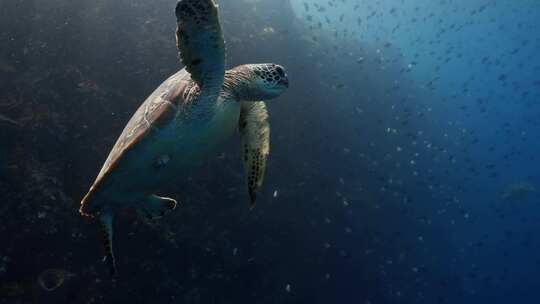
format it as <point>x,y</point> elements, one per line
<point>184,121</point>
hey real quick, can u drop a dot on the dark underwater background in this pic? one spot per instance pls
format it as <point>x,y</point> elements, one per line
<point>403,166</point>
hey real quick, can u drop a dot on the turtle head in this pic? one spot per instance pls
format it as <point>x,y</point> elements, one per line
<point>270,78</point>
<point>254,82</point>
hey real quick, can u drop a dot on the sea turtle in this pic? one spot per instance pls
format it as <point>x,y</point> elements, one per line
<point>185,120</point>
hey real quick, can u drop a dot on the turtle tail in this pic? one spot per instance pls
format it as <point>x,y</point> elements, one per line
<point>106,221</point>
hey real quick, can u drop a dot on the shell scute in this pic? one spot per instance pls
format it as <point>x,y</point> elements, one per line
<point>156,112</point>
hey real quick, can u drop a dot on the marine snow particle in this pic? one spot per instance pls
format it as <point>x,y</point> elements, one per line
<point>288,288</point>
<point>269,30</point>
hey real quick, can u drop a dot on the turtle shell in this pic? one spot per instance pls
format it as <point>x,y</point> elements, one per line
<point>157,110</point>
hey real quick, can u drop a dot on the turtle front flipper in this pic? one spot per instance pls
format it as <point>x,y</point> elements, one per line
<point>255,140</point>
<point>106,225</point>
<point>200,42</point>
<point>156,207</point>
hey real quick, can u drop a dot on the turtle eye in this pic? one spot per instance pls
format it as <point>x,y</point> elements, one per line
<point>280,71</point>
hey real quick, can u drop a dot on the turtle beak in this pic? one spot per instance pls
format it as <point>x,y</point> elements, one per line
<point>285,81</point>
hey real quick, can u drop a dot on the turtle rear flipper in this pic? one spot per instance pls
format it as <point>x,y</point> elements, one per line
<point>105,221</point>
<point>156,207</point>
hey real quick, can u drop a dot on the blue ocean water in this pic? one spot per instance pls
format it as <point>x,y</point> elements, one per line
<point>403,165</point>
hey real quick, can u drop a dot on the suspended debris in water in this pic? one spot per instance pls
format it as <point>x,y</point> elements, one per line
<point>52,279</point>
